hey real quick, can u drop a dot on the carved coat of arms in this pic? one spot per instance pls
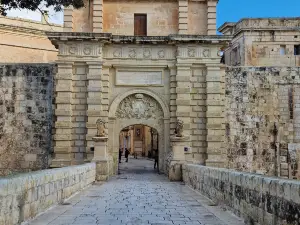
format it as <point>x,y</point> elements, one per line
<point>139,106</point>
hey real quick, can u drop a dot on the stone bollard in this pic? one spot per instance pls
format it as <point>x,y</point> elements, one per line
<point>101,158</point>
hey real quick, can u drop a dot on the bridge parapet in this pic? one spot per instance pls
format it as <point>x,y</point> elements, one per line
<point>24,196</point>
<point>258,199</point>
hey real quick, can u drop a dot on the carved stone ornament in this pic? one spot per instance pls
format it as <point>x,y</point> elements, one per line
<point>117,53</point>
<point>72,49</point>
<point>87,50</point>
<point>132,53</point>
<point>206,53</point>
<point>139,106</point>
<point>191,52</point>
<point>161,54</point>
<point>179,128</point>
<point>147,53</point>
<point>100,128</point>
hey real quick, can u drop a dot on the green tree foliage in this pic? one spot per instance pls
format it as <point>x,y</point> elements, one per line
<point>34,5</point>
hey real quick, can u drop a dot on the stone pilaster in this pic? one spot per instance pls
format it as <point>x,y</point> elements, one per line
<point>211,17</point>
<point>63,125</point>
<point>215,116</point>
<point>183,102</point>
<point>68,19</point>
<point>183,95</point>
<point>97,16</point>
<point>94,100</point>
<point>173,96</point>
<point>183,16</point>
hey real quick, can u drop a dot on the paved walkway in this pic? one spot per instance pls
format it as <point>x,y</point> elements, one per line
<point>138,196</point>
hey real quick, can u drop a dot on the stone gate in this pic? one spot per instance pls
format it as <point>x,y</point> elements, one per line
<point>129,80</point>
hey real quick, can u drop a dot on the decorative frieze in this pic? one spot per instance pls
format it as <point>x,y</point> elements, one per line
<point>80,50</point>
<point>194,52</point>
<point>139,52</point>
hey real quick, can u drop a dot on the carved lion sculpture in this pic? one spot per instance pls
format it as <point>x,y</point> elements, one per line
<point>101,128</point>
<point>179,128</point>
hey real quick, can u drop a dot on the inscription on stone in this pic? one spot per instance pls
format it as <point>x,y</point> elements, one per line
<point>139,78</point>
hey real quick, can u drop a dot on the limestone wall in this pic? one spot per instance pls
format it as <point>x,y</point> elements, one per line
<point>261,120</point>
<point>259,199</point>
<point>26,93</point>
<point>24,196</point>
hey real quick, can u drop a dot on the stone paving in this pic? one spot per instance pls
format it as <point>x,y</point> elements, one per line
<point>138,196</point>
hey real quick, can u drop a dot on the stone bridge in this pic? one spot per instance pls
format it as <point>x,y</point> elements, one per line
<point>140,195</point>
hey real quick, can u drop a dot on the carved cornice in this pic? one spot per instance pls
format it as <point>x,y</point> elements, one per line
<point>55,37</point>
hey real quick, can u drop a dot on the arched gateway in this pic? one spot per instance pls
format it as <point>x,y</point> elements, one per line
<point>139,106</point>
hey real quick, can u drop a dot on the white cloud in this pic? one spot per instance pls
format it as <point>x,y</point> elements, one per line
<point>54,17</point>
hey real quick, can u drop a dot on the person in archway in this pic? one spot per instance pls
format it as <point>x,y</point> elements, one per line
<point>126,154</point>
<point>120,155</point>
<point>155,158</point>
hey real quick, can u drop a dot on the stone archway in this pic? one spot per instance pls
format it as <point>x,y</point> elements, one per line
<point>143,107</point>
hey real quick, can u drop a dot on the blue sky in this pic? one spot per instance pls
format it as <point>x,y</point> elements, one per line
<point>234,10</point>
<point>228,10</point>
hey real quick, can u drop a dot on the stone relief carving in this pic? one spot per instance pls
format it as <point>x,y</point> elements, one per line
<point>72,49</point>
<point>117,53</point>
<point>161,54</point>
<point>206,53</point>
<point>191,52</point>
<point>139,106</point>
<point>132,53</point>
<point>82,49</point>
<point>179,128</point>
<point>100,128</point>
<point>147,53</point>
<point>87,50</point>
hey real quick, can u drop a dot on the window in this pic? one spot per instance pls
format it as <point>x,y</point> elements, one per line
<point>140,24</point>
<point>282,49</point>
<point>297,50</point>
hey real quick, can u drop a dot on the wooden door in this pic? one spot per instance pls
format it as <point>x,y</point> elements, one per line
<point>140,24</point>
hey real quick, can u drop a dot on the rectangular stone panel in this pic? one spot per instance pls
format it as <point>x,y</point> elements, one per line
<point>139,78</point>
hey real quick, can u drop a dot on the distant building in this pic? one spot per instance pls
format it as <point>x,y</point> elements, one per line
<point>263,42</point>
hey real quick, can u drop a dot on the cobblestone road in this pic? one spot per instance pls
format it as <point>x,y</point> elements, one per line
<point>137,196</point>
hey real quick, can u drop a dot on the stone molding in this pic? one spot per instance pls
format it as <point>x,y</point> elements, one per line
<point>116,102</point>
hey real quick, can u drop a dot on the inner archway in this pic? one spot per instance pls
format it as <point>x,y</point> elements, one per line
<point>139,149</point>
<point>139,107</point>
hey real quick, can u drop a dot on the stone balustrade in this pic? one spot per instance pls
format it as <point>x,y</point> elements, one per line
<point>24,196</point>
<point>258,199</point>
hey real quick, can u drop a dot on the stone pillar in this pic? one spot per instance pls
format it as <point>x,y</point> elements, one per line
<point>101,158</point>
<point>94,103</point>
<point>215,116</point>
<point>98,16</point>
<point>63,135</point>
<point>182,16</point>
<point>211,17</point>
<point>68,19</point>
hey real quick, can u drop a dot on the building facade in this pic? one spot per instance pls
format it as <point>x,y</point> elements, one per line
<point>142,63</point>
<point>25,41</point>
